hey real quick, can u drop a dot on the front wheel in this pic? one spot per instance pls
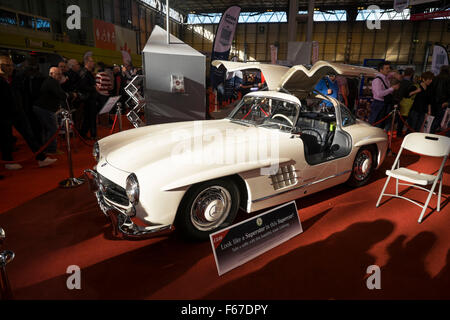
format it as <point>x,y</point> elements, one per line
<point>363,167</point>
<point>208,207</point>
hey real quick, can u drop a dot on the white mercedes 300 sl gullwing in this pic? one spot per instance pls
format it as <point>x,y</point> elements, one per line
<point>275,146</point>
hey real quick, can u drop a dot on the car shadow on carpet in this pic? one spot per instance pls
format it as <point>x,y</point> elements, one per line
<point>336,267</point>
<point>133,275</point>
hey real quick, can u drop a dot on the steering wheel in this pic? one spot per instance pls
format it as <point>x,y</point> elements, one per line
<point>317,134</point>
<point>284,117</point>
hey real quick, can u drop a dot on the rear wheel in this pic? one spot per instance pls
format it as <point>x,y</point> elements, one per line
<point>363,167</point>
<point>208,207</point>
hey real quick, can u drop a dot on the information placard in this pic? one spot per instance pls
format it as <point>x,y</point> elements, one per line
<point>109,104</point>
<point>244,241</point>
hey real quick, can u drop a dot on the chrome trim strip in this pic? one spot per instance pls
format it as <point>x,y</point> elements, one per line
<point>303,186</point>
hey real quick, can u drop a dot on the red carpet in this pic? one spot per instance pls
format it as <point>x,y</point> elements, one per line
<point>50,229</point>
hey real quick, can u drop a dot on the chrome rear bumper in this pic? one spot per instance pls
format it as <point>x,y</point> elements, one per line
<point>123,226</point>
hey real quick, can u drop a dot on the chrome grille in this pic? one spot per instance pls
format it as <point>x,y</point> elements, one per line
<point>113,192</point>
<point>285,177</point>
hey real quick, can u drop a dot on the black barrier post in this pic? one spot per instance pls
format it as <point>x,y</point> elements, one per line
<point>394,112</point>
<point>71,181</point>
<point>119,115</point>
<point>5,257</point>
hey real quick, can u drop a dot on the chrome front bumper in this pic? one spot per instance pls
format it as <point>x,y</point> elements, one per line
<point>123,226</point>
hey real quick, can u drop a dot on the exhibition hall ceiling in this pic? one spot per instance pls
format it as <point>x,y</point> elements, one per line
<point>216,6</point>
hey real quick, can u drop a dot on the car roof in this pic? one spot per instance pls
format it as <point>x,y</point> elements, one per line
<point>274,94</point>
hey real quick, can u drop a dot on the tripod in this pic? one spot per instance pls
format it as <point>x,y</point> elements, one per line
<point>118,116</point>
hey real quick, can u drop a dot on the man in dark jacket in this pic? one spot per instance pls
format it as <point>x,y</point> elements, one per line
<point>422,102</point>
<point>13,115</point>
<point>441,96</point>
<point>51,98</point>
<point>86,86</point>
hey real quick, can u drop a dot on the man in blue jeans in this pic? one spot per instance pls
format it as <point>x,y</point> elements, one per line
<point>51,97</point>
<point>382,94</point>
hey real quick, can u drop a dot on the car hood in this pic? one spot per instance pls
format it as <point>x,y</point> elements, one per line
<point>191,141</point>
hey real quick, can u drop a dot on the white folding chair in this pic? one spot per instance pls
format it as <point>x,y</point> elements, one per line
<point>425,144</point>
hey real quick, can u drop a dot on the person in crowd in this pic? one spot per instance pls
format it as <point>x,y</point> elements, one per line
<point>382,95</point>
<point>62,65</point>
<point>104,83</point>
<point>127,73</point>
<point>343,89</point>
<point>72,74</point>
<point>117,81</point>
<point>353,87</point>
<point>328,86</point>
<point>71,87</point>
<point>87,89</point>
<point>32,82</point>
<point>422,102</point>
<point>249,84</point>
<point>51,99</point>
<point>13,115</point>
<point>403,99</point>
<point>441,96</point>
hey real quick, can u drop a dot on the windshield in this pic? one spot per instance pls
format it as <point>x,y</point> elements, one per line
<point>266,111</point>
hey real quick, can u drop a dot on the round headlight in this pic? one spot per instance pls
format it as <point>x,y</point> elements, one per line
<point>132,188</point>
<point>96,152</point>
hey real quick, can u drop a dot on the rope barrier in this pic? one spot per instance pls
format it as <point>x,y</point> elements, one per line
<point>41,149</point>
<point>81,138</point>
<point>380,121</point>
<point>406,123</point>
<point>412,130</point>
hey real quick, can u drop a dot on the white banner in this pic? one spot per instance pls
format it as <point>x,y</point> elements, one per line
<point>415,2</point>
<point>227,27</point>
<point>440,58</point>
<point>427,123</point>
<point>273,54</point>
<point>315,52</point>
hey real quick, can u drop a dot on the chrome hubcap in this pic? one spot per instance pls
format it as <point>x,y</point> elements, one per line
<point>210,208</point>
<point>363,165</point>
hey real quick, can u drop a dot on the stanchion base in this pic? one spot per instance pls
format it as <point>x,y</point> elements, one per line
<point>71,183</point>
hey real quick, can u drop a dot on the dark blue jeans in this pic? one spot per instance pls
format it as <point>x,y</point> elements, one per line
<point>376,112</point>
<point>49,126</point>
<point>415,120</point>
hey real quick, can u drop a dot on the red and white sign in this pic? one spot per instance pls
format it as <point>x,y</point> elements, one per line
<point>111,37</point>
<point>104,35</point>
<point>429,15</point>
